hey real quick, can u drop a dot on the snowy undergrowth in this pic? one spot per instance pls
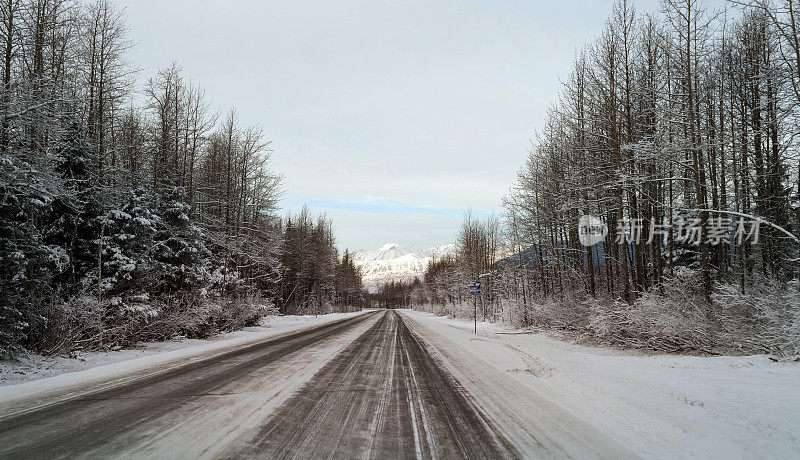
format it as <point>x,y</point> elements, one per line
<point>32,366</point>
<point>84,324</point>
<point>674,318</point>
<point>671,317</point>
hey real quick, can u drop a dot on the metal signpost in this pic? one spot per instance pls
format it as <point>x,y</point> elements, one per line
<point>475,290</point>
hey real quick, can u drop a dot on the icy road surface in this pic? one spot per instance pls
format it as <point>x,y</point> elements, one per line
<point>366,386</point>
<point>400,384</point>
<point>383,396</point>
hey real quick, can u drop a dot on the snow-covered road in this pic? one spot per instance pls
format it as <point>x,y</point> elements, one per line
<point>384,396</point>
<point>656,405</point>
<point>187,409</point>
<point>405,384</point>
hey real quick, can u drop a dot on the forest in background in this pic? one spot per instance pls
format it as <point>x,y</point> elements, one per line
<point>131,214</point>
<point>686,116</point>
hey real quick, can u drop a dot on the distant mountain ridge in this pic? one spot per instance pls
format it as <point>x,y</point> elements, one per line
<point>394,262</point>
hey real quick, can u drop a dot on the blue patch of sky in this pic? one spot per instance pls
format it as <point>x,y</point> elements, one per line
<point>387,207</point>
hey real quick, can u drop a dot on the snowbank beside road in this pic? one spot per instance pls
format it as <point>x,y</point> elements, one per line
<point>655,405</point>
<point>34,367</point>
<point>45,379</point>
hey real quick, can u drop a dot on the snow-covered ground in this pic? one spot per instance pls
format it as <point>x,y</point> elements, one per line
<point>34,367</point>
<point>545,394</point>
<point>661,406</point>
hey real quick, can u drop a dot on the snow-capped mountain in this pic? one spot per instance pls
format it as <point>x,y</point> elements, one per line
<point>393,262</point>
<point>440,251</point>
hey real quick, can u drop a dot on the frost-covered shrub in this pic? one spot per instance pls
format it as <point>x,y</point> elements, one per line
<point>764,319</point>
<point>226,315</point>
<point>463,310</point>
<point>512,312</point>
<point>673,317</point>
<point>559,315</point>
<point>59,327</point>
<point>669,317</point>
<point>436,309</point>
<point>12,330</point>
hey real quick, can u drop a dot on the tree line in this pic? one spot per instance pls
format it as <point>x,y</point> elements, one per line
<point>396,294</point>
<point>314,279</point>
<point>678,131</point>
<point>127,218</point>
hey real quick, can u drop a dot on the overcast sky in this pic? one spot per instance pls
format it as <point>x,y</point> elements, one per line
<point>391,117</point>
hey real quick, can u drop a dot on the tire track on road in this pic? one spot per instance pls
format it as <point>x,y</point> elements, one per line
<point>382,396</point>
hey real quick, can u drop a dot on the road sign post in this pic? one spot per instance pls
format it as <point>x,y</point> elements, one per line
<point>475,290</point>
<point>475,313</point>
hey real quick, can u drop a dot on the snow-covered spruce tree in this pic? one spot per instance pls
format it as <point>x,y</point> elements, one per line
<point>73,220</point>
<point>127,272</point>
<point>26,262</point>
<point>17,243</point>
<point>46,188</point>
<point>179,246</point>
<point>71,226</point>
